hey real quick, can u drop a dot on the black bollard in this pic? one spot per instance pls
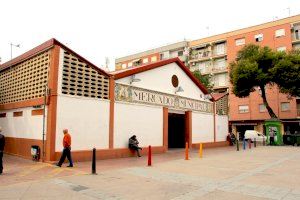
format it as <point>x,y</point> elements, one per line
<point>94,162</point>
<point>254,142</point>
<point>237,145</point>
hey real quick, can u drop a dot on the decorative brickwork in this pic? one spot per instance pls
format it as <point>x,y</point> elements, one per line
<point>82,80</point>
<point>25,80</point>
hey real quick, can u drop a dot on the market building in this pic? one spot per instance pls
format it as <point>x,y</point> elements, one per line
<point>162,103</point>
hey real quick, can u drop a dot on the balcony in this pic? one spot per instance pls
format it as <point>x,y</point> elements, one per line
<point>217,70</point>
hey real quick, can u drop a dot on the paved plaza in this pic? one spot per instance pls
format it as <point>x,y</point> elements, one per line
<point>223,173</point>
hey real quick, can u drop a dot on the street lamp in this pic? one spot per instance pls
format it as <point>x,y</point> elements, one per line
<point>11,46</point>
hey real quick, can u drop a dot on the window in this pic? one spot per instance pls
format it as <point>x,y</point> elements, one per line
<point>2,115</point>
<point>145,60</point>
<point>262,108</point>
<point>204,67</point>
<point>259,37</point>
<point>180,53</point>
<point>137,62</point>
<point>124,66</point>
<point>153,59</point>
<point>285,106</point>
<point>239,42</point>
<point>281,49</point>
<point>280,32</point>
<point>220,80</point>
<point>37,112</point>
<point>219,64</point>
<point>243,109</point>
<point>220,49</point>
<point>18,114</point>
<point>130,64</point>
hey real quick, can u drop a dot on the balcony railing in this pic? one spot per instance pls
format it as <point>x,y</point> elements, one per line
<point>219,69</point>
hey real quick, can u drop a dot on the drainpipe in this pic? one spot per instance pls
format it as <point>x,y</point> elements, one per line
<point>44,119</point>
<point>214,121</point>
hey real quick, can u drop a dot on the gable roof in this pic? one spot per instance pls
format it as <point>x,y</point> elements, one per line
<point>218,96</point>
<point>135,70</point>
<point>43,47</point>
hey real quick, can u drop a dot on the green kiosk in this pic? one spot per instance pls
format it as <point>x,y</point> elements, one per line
<point>273,127</point>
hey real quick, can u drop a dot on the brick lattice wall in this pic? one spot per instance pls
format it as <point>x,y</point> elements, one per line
<point>25,80</point>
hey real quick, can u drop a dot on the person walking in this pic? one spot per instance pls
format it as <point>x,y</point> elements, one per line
<point>2,143</point>
<point>134,145</point>
<point>67,149</point>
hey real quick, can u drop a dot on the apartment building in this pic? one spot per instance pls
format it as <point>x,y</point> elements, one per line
<point>250,113</point>
<point>179,49</point>
<point>212,55</point>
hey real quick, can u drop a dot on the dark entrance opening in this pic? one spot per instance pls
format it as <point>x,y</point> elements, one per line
<point>176,130</point>
<point>242,129</point>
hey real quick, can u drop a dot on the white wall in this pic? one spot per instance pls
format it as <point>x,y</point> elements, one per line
<point>87,120</point>
<point>26,126</point>
<point>146,122</point>
<point>202,127</point>
<point>159,79</point>
<point>221,127</point>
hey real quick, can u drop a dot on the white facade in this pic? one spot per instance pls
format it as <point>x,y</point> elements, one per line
<point>26,126</point>
<point>202,127</point>
<point>86,119</point>
<point>146,122</point>
<point>221,127</point>
<point>159,79</point>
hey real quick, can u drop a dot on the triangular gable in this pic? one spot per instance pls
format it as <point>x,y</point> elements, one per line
<point>45,46</point>
<point>131,71</point>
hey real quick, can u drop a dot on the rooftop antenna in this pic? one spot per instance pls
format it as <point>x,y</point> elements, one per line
<point>289,11</point>
<point>106,64</point>
<point>11,47</point>
<point>207,29</point>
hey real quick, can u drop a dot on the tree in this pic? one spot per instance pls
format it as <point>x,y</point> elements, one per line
<point>257,66</point>
<point>204,79</point>
<point>287,73</point>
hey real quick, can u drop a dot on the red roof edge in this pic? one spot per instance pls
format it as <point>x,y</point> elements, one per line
<point>44,46</point>
<point>28,54</point>
<point>129,72</point>
<point>218,96</point>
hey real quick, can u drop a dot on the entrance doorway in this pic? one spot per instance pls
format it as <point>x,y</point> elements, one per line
<point>176,130</point>
<point>242,129</point>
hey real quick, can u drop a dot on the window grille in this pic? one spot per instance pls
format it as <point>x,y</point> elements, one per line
<point>79,79</point>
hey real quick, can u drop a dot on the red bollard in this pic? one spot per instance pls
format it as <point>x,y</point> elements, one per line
<point>249,142</point>
<point>149,156</point>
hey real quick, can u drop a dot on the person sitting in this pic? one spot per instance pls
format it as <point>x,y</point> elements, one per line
<point>133,144</point>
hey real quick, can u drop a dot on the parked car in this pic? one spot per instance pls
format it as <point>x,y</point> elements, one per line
<point>251,134</point>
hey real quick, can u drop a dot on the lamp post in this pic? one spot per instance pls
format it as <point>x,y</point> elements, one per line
<point>11,47</point>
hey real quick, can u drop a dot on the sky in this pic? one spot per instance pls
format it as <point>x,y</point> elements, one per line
<point>114,28</point>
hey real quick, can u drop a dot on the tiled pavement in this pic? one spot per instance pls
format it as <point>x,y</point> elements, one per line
<point>223,173</point>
